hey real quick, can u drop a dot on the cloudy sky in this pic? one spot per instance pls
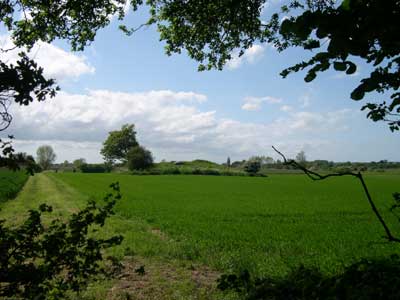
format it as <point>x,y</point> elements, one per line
<point>182,114</point>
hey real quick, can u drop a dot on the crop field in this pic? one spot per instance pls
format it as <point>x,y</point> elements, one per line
<point>265,225</point>
<point>11,183</point>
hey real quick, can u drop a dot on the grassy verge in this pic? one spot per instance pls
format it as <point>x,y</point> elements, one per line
<point>11,183</point>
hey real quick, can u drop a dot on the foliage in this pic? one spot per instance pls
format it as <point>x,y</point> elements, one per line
<point>45,156</point>
<point>252,166</point>
<point>118,143</point>
<point>78,163</point>
<point>22,82</point>
<point>11,182</point>
<point>192,171</point>
<point>139,158</point>
<point>43,262</point>
<point>16,161</point>
<point>365,279</point>
<point>339,35</point>
<point>94,168</point>
<point>29,22</point>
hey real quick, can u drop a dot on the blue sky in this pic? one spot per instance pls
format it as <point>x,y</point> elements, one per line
<point>182,114</point>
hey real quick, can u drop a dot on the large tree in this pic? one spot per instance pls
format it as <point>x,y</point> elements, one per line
<point>118,143</point>
<point>45,156</point>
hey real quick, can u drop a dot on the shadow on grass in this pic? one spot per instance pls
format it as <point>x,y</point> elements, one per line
<point>366,279</point>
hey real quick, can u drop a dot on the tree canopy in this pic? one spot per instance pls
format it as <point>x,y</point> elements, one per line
<point>45,156</point>
<point>118,143</point>
<point>139,158</point>
<point>339,34</point>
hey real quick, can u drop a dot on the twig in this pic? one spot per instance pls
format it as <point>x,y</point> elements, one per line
<point>316,176</point>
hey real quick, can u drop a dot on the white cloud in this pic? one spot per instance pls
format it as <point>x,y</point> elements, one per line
<point>255,103</point>
<point>57,63</point>
<point>286,108</point>
<point>171,124</point>
<point>305,100</point>
<point>251,55</point>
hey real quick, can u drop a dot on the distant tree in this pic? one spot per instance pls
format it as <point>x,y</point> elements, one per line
<point>139,158</point>
<point>228,162</point>
<point>252,166</point>
<point>45,156</point>
<point>79,162</point>
<point>268,160</point>
<point>301,157</point>
<point>118,144</point>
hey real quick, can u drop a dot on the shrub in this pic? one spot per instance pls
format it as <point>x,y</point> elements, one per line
<point>252,166</point>
<point>94,168</point>
<point>139,158</point>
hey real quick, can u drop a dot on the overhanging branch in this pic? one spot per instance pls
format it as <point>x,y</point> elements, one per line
<point>316,176</point>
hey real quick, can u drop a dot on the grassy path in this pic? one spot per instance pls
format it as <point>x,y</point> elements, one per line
<point>165,278</point>
<point>42,189</point>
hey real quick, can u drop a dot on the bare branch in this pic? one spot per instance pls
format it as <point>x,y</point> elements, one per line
<point>316,176</point>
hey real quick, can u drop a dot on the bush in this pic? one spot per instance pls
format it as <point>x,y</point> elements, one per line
<point>94,168</point>
<point>44,262</point>
<point>252,166</point>
<point>139,158</point>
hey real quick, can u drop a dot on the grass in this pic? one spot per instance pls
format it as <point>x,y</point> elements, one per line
<point>164,278</point>
<point>266,225</point>
<point>177,225</point>
<point>11,183</point>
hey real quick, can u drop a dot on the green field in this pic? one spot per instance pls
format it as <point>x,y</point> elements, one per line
<point>266,225</point>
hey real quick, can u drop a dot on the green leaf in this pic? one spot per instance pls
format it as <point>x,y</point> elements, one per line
<point>351,69</point>
<point>357,94</point>
<point>346,4</point>
<point>310,76</point>
<point>339,66</point>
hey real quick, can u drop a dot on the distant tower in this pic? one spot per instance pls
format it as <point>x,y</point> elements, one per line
<point>228,162</point>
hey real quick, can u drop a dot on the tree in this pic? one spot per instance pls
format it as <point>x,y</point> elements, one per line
<point>339,35</point>
<point>79,162</point>
<point>139,158</point>
<point>45,156</point>
<point>228,162</point>
<point>301,157</point>
<point>252,166</point>
<point>118,143</point>
<point>74,21</point>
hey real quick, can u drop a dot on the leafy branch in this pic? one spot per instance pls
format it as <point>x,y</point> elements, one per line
<point>39,261</point>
